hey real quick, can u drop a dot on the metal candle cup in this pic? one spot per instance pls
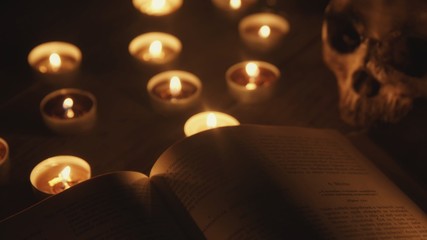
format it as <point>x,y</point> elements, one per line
<point>167,98</point>
<point>69,111</point>
<point>252,85</point>
<point>208,120</point>
<point>157,7</point>
<point>48,176</point>
<point>263,31</point>
<point>155,48</point>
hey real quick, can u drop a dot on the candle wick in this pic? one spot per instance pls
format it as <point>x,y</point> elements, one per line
<point>252,79</point>
<point>251,85</point>
<point>66,184</point>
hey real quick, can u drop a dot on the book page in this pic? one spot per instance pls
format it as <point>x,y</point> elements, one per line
<point>119,205</point>
<point>409,184</point>
<point>276,182</point>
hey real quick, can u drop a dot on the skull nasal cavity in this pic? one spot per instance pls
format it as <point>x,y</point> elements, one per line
<point>365,84</point>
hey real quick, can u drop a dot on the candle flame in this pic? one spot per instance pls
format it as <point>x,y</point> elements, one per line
<point>264,31</point>
<point>211,121</point>
<point>252,69</point>
<point>63,176</point>
<point>55,61</point>
<point>175,86</point>
<point>156,49</point>
<point>68,105</point>
<point>235,4</point>
<point>158,4</point>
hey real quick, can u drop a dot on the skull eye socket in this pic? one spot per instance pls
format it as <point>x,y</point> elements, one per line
<point>410,56</point>
<point>342,35</point>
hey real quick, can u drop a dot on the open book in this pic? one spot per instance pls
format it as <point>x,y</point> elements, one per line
<point>245,182</point>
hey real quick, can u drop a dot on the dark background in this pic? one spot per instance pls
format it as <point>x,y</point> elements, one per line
<point>129,134</point>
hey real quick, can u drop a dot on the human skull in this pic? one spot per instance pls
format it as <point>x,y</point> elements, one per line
<point>377,50</point>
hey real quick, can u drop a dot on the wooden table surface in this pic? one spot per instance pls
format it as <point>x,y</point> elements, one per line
<point>129,134</point>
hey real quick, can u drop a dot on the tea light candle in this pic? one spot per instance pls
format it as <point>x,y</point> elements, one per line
<point>208,120</point>
<point>263,31</point>
<point>69,111</point>
<point>55,58</point>
<point>252,81</point>
<point>155,48</point>
<point>4,161</point>
<point>233,5</point>
<point>157,7</point>
<point>173,91</point>
<point>56,174</point>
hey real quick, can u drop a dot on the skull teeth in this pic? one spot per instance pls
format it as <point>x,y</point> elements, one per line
<point>359,111</point>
